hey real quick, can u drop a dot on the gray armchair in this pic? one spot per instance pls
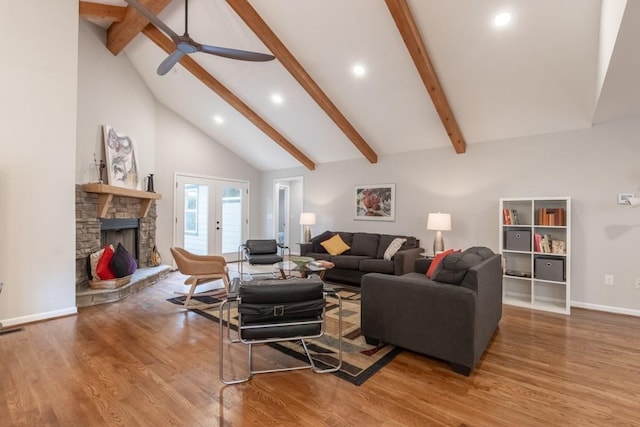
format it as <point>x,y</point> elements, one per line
<point>452,322</point>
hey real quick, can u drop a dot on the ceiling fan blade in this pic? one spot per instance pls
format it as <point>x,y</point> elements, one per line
<point>243,55</point>
<point>152,18</point>
<point>169,62</point>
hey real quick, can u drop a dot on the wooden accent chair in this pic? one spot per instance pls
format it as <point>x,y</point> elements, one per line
<point>201,269</point>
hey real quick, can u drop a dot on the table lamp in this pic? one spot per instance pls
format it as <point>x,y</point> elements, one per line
<point>439,222</point>
<point>307,219</point>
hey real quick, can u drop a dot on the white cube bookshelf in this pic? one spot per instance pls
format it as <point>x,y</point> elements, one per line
<point>537,272</point>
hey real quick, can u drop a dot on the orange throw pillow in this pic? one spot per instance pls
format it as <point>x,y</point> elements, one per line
<point>437,260</point>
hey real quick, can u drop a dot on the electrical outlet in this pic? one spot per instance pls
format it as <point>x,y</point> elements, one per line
<point>608,279</point>
<point>637,282</point>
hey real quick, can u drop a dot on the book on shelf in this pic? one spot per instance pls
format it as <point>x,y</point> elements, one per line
<point>558,247</point>
<point>510,217</point>
<point>551,216</point>
<point>543,243</point>
<point>537,243</point>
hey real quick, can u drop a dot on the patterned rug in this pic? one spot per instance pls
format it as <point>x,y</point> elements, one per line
<point>360,361</point>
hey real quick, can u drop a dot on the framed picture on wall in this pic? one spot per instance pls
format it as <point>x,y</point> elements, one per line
<point>122,162</point>
<point>375,202</point>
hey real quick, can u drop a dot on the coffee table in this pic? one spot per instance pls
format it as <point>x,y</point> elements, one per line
<point>305,270</point>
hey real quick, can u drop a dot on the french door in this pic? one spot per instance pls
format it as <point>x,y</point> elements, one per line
<point>211,215</point>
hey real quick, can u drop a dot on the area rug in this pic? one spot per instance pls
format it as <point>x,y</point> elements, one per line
<point>360,361</point>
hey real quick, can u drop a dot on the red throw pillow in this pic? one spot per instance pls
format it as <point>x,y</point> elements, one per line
<point>103,269</point>
<point>434,264</point>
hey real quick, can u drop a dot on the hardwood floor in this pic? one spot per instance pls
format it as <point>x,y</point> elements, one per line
<point>143,361</point>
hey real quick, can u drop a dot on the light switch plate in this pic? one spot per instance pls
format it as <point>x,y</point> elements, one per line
<point>622,198</point>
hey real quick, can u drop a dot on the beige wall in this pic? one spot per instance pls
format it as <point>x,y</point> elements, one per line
<point>110,92</point>
<point>38,108</point>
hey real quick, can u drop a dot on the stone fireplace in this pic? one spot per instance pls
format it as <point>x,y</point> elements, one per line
<point>103,218</point>
<point>125,231</point>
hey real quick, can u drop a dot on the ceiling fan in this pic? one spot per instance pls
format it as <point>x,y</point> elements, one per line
<point>185,44</point>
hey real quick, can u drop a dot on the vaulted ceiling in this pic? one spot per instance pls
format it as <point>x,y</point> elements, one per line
<point>437,72</point>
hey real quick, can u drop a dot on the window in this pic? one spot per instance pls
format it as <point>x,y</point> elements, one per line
<point>191,209</point>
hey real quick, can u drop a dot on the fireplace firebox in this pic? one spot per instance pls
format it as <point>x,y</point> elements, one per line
<point>121,230</point>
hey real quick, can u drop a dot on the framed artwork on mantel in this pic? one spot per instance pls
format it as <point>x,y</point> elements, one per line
<point>121,159</point>
<point>375,202</point>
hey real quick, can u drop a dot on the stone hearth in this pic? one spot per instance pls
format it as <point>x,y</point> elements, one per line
<point>88,229</point>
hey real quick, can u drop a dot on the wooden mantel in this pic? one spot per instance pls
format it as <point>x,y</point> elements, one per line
<point>106,192</point>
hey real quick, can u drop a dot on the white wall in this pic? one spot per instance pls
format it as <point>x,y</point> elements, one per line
<point>111,92</point>
<point>182,148</point>
<point>38,93</point>
<point>592,166</point>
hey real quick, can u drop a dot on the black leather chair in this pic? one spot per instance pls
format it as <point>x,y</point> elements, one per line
<point>276,310</point>
<point>262,251</point>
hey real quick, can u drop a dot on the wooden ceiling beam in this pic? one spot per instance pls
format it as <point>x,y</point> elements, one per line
<point>103,12</point>
<point>166,44</point>
<point>280,51</point>
<point>413,40</point>
<point>121,33</point>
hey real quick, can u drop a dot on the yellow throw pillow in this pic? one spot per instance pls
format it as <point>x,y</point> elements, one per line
<point>335,245</point>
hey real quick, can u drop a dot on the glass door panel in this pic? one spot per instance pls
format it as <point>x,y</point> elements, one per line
<point>211,215</point>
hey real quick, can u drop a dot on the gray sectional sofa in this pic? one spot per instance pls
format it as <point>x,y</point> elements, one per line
<point>364,256</point>
<point>451,318</point>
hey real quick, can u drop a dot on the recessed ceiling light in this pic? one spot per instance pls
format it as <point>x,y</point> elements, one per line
<point>502,19</point>
<point>219,120</point>
<point>358,70</point>
<point>277,99</point>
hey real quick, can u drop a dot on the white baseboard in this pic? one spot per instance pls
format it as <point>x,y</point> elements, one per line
<point>607,308</point>
<point>39,316</point>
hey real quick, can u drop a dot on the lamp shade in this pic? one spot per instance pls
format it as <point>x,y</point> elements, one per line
<point>439,221</point>
<point>307,218</point>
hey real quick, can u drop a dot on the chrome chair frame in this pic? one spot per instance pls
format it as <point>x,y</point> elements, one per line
<point>233,298</point>
<point>243,252</point>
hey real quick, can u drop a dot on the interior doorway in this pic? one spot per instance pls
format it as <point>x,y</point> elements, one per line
<point>287,206</point>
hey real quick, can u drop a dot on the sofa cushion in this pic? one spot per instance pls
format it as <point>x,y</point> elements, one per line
<point>454,267</point>
<point>411,243</point>
<point>315,242</point>
<point>335,245</point>
<point>386,239</point>
<point>365,244</point>
<point>346,237</point>
<point>393,247</point>
<point>436,262</point>
<point>348,261</point>
<point>371,265</point>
